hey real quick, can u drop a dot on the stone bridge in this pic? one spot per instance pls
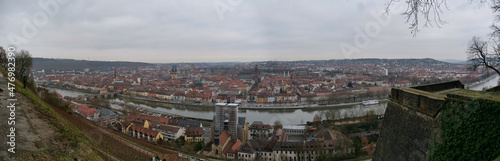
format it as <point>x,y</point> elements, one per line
<point>101,95</point>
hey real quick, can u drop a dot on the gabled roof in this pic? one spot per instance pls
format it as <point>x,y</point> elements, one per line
<point>106,113</point>
<point>164,120</point>
<point>257,123</point>
<point>247,148</point>
<point>189,123</point>
<point>260,126</point>
<point>235,147</point>
<point>142,118</point>
<point>168,129</point>
<point>172,157</point>
<point>143,130</point>
<point>174,122</point>
<point>228,147</point>
<point>86,109</point>
<point>223,137</point>
<point>194,131</point>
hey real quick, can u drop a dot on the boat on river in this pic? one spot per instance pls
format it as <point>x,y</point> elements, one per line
<point>370,102</point>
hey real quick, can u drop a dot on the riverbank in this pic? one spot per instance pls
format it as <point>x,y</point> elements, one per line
<point>139,109</point>
<point>67,88</point>
<point>308,106</point>
<point>266,115</point>
<point>165,101</point>
<point>481,82</point>
<point>252,106</point>
<point>246,106</point>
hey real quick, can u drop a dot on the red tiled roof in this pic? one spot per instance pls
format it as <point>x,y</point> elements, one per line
<point>234,148</point>
<point>194,131</point>
<point>153,119</point>
<point>143,130</point>
<point>260,126</point>
<point>164,120</point>
<point>228,147</point>
<point>223,137</point>
<point>172,157</point>
<point>86,109</point>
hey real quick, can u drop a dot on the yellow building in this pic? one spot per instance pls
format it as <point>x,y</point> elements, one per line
<point>193,134</point>
<point>243,133</point>
<point>164,96</point>
<point>143,132</point>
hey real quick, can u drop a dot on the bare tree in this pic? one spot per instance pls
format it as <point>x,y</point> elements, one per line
<point>3,57</point>
<point>24,62</point>
<point>481,53</point>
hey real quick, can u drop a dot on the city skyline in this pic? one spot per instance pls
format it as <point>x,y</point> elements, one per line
<point>186,80</point>
<point>173,32</point>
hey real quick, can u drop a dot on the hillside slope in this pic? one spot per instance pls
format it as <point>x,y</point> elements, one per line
<point>78,65</point>
<point>39,135</point>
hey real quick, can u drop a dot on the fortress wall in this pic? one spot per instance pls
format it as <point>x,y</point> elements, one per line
<point>420,102</point>
<point>411,120</point>
<point>412,124</point>
<point>405,135</point>
<point>440,86</point>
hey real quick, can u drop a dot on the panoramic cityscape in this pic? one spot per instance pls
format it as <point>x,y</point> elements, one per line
<point>250,80</point>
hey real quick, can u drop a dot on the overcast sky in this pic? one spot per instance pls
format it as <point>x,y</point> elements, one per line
<point>166,31</point>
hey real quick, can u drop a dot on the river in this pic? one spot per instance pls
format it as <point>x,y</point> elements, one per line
<point>488,84</point>
<point>285,116</point>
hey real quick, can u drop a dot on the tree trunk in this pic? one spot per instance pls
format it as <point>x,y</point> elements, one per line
<point>24,81</point>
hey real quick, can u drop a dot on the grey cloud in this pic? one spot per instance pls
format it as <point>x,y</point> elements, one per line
<point>191,31</point>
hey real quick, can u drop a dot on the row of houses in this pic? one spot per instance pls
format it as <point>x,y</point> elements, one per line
<point>156,128</point>
<point>94,114</point>
<point>267,143</point>
<point>278,149</point>
<point>279,145</point>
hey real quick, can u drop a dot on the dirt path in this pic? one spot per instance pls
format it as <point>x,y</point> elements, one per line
<point>27,138</point>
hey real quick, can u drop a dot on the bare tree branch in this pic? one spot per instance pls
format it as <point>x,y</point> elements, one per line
<point>430,10</point>
<point>478,55</point>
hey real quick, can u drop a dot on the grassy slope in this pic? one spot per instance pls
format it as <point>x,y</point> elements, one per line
<point>80,146</point>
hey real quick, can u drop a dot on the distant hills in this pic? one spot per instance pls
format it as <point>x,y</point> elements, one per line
<point>419,62</point>
<point>79,65</point>
<point>49,64</point>
<point>454,61</point>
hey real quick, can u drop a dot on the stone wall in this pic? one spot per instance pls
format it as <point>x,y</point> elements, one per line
<point>406,132</point>
<point>412,122</point>
<point>440,86</point>
<point>426,104</point>
<point>416,118</point>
